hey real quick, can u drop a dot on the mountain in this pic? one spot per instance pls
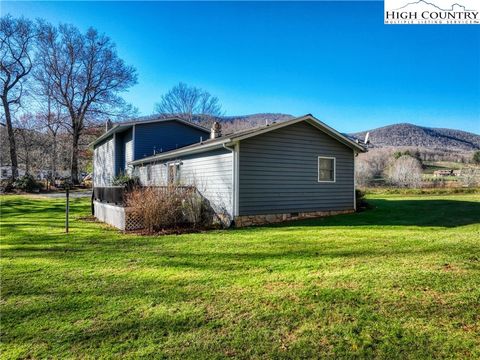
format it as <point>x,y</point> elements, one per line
<point>241,122</point>
<point>259,119</point>
<point>419,136</point>
<point>396,135</point>
<point>422,5</point>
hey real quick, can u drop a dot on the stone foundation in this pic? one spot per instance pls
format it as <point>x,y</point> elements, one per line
<point>249,220</point>
<point>124,219</point>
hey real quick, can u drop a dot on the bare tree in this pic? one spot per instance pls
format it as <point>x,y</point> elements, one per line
<point>364,172</point>
<point>29,140</point>
<point>406,171</point>
<point>189,103</point>
<point>85,76</point>
<point>16,41</point>
<point>470,177</point>
<point>52,119</point>
<point>371,165</point>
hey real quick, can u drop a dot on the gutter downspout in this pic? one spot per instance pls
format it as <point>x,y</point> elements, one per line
<point>355,154</point>
<point>114,156</point>
<point>131,168</point>
<point>235,179</point>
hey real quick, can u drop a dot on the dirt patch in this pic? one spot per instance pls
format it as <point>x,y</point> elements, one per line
<point>89,218</point>
<point>177,231</point>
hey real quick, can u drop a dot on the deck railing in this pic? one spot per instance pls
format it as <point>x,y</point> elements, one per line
<point>109,194</point>
<point>116,194</point>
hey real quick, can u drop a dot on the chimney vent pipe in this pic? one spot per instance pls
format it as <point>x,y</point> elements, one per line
<point>216,130</point>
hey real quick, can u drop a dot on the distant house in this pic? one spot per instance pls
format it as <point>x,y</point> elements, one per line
<point>440,173</point>
<point>38,174</point>
<point>294,169</point>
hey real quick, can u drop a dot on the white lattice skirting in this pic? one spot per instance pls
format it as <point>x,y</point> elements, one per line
<point>118,216</point>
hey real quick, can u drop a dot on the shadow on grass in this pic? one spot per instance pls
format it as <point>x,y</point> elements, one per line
<point>397,212</point>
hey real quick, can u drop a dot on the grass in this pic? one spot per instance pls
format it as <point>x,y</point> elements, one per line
<point>447,191</point>
<point>431,166</point>
<point>399,281</point>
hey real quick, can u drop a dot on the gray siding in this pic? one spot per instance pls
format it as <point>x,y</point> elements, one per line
<point>103,163</point>
<point>164,136</point>
<point>279,172</point>
<point>211,172</point>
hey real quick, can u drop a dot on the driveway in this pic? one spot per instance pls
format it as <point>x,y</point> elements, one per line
<point>73,194</point>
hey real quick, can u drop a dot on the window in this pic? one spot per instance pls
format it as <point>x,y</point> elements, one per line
<point>174,173</point>
<point>149,172</point>
<point>326,169</point>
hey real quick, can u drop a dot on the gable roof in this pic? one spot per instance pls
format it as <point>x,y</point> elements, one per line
<point>230,139</point>
<point>119,127</point>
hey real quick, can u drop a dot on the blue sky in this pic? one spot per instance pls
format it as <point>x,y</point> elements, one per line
<point>336,60</point>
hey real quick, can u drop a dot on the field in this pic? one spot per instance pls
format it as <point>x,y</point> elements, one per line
<point>431,166</point>
<point>401,280</point>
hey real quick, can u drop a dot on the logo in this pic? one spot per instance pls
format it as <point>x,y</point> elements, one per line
<point>432,12</point>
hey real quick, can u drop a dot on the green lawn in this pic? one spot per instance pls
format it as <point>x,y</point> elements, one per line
<point>399,281</point>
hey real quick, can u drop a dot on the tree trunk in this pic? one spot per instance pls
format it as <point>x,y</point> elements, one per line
<point>74,163</point>
<point>11,138</point>
<point>54,159</point>
<point>27,158</point>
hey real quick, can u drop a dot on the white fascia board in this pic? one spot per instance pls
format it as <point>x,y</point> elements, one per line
<point>312,121</point>
<point>175,153</point>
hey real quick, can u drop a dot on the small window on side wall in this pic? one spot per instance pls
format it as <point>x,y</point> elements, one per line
<point>149,172</point>
<point>174,173</point>
<point>326,169</point>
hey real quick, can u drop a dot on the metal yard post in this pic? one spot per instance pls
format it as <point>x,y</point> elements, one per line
<point>67,208</point>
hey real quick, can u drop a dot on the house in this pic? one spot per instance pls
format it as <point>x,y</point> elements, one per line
<point>38,174</point>
<point>290,170</point>
<point>440,173</point>
<point>6,172</point>
<point>133,140</point>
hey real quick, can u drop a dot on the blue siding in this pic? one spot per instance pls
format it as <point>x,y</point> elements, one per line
<point>128,147</point>
<point>164,136</point>
<point>123,143</point>
<point>119,157</point>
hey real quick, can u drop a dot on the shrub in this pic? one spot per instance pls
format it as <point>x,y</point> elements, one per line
<point>360,200</point>
<point>415,155</point>
<point>126,180</point>
<point>196,209</point>
<point>169,207</point>
<point>364,173</point>
<point>27,183</point>
<point>423,191</point>
<point>476,157</point>
<point>405,171</point>
<point>370,166</point>
<point>470,177</point>
<point>6,185</point>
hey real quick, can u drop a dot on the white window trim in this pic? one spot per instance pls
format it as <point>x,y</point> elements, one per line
<point>176,172</point>
<point>334,169</point>
<point>148,174</point>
